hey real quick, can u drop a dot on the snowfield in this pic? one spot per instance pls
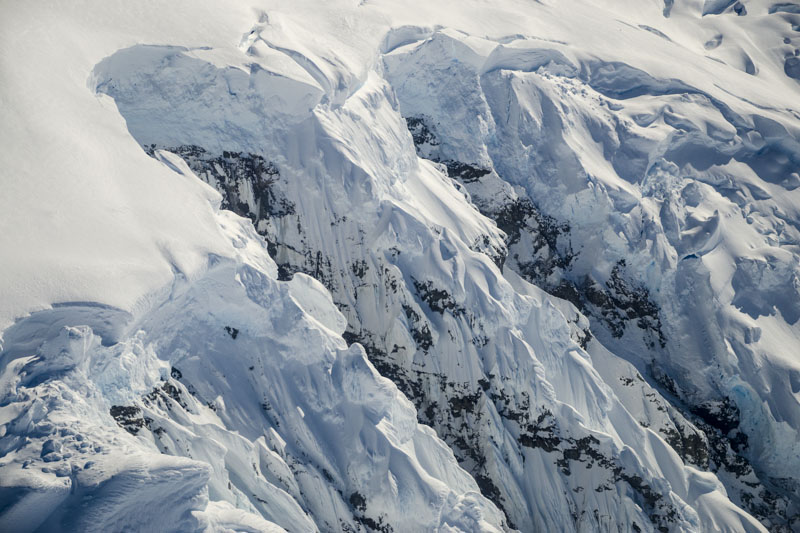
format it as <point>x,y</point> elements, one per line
<point>400,266</point>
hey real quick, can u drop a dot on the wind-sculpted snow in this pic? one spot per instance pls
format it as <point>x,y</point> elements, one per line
<point>232,100</point>
<point>234,402</point>
<point>566,232</point>
<point>664,196</point>
<point>491,367</point>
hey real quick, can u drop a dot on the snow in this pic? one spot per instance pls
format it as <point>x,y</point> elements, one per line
<point>518,114</point>
<point>155,370</point>
<point>285,361</point>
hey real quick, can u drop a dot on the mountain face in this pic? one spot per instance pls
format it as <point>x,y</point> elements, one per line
<point>378,266</point>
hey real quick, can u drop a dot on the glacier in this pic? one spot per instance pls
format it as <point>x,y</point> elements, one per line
<point>378,266</point>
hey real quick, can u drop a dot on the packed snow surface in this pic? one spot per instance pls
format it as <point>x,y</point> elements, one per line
<point>400,266</point>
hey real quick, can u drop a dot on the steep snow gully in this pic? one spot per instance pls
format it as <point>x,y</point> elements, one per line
<point>474,269</point>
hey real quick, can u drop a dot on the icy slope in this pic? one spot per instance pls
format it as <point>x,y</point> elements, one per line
<point>694,276</point>
<point>556,140</point>
<point>234,388</point>
<point>488,367</point>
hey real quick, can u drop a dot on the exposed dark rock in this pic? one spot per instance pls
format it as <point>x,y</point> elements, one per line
<point>439,300</point>
<point>543,433</point>
<point>359,268</point>
<point>522,216</point>
<point>128,417</point>
<point>166,390</point>
<point>359,505</point>
<point>234,174</point>
<point>228,171</point>
<point>722,415</point>
<point>464,172</point>
<point>663,379</point>
<point>420,132</point>
<point>623,302</point>
<point>420,331</point>
<point>692,448</point>
<point>485,245</point>
<point>358,502</point>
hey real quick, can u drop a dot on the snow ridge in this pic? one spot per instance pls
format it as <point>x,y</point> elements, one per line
<point>234,402</point>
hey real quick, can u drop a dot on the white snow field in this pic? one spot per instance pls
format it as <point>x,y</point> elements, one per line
<point>400,266</point>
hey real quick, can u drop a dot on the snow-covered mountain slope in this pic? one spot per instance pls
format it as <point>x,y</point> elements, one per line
<point>233,402</point>
<point>694,276</point>
<point>567,232</point>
